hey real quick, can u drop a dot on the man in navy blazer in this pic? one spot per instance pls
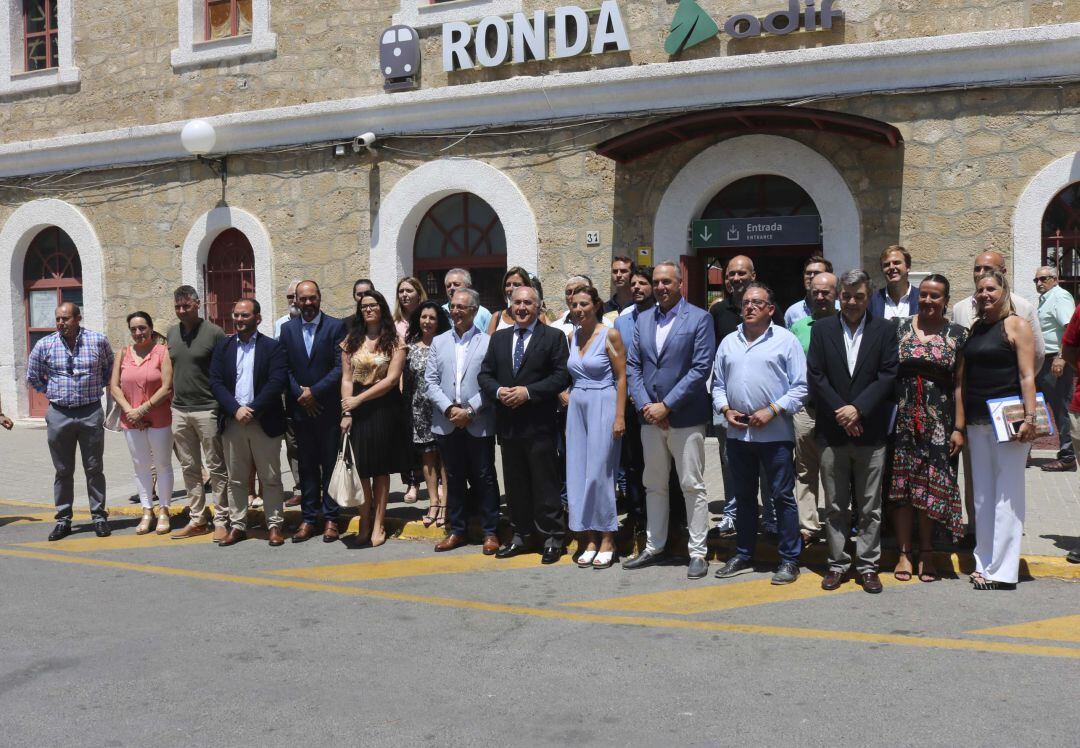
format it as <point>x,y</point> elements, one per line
<point>248,375</point>
<point>898,298</point>
<point>667,367</point>
<point>313,405</point>
<point>463,422</point>
<point>851,369</point>
<point>523,372</point>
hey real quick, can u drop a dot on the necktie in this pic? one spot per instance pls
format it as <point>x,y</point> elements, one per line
<point>309,336</point>
<point>519,349</point>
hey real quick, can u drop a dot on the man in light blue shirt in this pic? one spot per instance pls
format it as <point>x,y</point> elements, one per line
<point>455,280</point>
<point>804,307</point>
<point>759,380</point>
<point>1055,377</point>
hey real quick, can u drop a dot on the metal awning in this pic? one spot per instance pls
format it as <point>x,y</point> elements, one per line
<point>660,135</point>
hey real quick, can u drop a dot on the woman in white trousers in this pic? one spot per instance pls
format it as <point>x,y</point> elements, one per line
<point>999,361</point>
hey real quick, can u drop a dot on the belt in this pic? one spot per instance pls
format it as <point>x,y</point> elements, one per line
<point>593,386</point>
<point>75,408</point>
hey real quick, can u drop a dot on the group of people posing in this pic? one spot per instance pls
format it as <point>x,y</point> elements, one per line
<point>871,395</point>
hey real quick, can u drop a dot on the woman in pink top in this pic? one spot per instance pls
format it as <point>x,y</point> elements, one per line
<point>141,384</point>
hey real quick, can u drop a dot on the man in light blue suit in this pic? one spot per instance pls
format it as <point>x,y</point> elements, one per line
<point>463,422</point>
<point>667,367</point>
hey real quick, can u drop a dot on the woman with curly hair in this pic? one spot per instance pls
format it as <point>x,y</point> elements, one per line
<point>372,359</point>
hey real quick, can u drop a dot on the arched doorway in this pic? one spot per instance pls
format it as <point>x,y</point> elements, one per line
<point>228,276</point>
<point>461,230</point>
<point>52,274</point>
<point>1061,237</point>
<point>778,255</point>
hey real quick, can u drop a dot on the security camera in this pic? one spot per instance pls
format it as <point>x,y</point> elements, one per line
<point>364,140</point>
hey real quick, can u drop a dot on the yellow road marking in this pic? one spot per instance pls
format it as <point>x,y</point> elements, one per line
<point>114,542</point>
<point>568,615</point>
<point>413,567</point>
<point>721,596</point>
<point>1064,629</point>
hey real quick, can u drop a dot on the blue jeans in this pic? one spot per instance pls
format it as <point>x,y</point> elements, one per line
<point>768,511</point>
<point>746,462</point>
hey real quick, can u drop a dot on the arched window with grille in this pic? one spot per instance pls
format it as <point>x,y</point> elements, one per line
<point>1061,237</point>
<point>52,274</point>
<point>461,230</point>
<point>228,276</point>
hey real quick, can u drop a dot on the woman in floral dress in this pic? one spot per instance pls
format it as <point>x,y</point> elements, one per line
<point>427,321</point>
<point>927,438</point>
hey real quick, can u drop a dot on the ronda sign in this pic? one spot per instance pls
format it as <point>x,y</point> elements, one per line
<point>495,41</point>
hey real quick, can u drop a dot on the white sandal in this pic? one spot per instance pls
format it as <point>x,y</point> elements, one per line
<point>585,560</point>
<point>603,560</point>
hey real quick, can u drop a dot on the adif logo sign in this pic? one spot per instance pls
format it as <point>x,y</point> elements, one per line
<point>495,41</point>
<point>692,25</point>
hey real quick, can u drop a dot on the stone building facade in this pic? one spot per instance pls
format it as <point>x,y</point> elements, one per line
<point>947,127</point>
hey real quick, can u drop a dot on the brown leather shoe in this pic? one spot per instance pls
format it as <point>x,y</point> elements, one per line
<point>330,532</point>
<point>276,536</point>
<point>1060,466</point>
<point>870,582</point>
<point>304,532</point>
<point>450,542</point>
<point>220,533</point>
<point>491,544</point>
<point>234,537</point>
<point>833,579</point>
<point>190,531</point>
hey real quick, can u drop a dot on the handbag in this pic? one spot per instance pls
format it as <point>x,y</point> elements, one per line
<point>112,415</point>
<point>345,486</point>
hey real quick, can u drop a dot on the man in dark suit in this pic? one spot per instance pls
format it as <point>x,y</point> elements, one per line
<point>248,375</point>
<point>898,298</point>
<point>313,405</point>
<point>851,366</point>
<point>524,371</point>
<point>668,364</point>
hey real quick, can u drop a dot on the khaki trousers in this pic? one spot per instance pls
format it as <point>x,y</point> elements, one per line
<point>807,469</point>
<point>247,446</point>
<point>197,443</point>
<point>687,446</point>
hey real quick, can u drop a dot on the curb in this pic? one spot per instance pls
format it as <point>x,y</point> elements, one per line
<point>948,562</point>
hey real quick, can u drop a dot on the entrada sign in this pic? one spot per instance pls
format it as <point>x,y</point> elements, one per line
<point>494,41</point>
<point>766,231</point>
<point>691,25</point>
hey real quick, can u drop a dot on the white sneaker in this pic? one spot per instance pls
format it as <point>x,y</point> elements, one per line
<point>726,526</point>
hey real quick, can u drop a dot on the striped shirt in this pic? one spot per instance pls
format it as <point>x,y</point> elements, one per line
<point>71,378</point>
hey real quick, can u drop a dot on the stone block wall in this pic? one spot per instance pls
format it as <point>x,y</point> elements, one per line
<point>329,50</point>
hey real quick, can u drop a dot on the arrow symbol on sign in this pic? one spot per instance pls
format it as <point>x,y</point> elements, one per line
<point>706,235</point>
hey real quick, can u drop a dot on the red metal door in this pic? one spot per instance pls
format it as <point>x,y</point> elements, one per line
<point>228,276</point>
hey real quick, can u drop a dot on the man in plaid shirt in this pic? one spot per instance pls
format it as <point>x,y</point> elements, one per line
<point>71,367</point>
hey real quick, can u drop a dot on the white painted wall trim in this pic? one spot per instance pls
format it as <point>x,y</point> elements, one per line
<point>1027,220</point>
<point>13,77</point>
<point>984,57</point>
<point>718,166</point>
<point>423,14</point>
<point>20,229</point>
<point>201,236</point>
<point>402,209</point>
<point>194,49</point>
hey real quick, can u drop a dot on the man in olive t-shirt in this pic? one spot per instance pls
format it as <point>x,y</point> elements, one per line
<point>194,414</point>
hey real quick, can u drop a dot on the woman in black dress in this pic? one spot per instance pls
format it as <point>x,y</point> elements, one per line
<point>372,359</point>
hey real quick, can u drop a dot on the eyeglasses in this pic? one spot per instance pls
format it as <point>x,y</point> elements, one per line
<point>1041,278</point>
<point>368,307</point>
<point>461,307</point>
<point>755,303</point>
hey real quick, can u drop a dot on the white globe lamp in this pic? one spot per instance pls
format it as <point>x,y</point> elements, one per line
<point>198,137</point>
